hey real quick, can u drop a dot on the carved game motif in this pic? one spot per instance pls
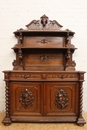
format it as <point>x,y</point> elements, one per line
<point>61,99</point>
<point>26,98</point>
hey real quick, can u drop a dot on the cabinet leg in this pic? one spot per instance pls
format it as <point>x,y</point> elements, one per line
<point>6,121</point>
<point>81,121</point>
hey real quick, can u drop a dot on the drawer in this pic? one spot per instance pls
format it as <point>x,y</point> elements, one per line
<point>63,76</point>
<point>25,76</point>
<point>43,42</point>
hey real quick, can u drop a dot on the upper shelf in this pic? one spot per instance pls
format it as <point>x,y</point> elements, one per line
<point>43,27</point>
<point>62,48</point>
<point>43,33</point>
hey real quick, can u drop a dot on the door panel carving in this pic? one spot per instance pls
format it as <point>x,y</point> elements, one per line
<point>61,99</point>
<point>26,98</point>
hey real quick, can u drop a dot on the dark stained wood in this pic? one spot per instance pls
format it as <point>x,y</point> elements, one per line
<point>44,85</point>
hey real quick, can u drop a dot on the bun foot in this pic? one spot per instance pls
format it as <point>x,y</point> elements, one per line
<point>81,121</point>
<point>6,121</point>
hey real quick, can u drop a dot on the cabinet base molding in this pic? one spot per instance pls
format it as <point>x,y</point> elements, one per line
<point>68,119</point>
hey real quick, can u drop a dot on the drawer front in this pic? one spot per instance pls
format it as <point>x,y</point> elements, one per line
<point>63,76</point>
<point>25,76</point>
<point>28,76</point>
<point>43,42</point>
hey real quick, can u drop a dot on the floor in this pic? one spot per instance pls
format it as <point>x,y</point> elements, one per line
<point>42,126</point>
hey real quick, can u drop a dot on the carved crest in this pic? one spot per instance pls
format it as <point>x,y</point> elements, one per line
<point>61,99</point>
<point>44,24</point>
<point>26,98</point>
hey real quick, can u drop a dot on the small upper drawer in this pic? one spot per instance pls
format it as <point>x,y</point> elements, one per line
<point>25,76</point>
<point>43,42</point>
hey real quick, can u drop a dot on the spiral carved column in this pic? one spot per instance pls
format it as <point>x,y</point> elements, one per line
<point>7,120</point>
<point>7,99</point>
<point>80,100</point>
<point>80,120</point>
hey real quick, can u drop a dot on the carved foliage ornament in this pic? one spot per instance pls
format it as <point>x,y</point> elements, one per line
<point>62,76</point>
<point>26,98</point>
<point>61,99</point>
<point>25,76</point>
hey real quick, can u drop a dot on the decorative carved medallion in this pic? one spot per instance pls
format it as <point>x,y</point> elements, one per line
<point>61,99</point>
<point>26,98</point>
<point>44,58</point>
<point>44,41</point>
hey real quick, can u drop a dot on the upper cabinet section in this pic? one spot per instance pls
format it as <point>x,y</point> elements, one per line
<point>44,33</point>
<point>44,46</point>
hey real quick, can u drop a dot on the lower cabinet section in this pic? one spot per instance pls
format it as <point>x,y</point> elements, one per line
<point>43,102</point>
<point>44,99</point>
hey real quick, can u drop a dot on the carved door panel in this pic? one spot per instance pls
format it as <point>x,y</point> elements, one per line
<point>61,98</point>
<point>26,98</point>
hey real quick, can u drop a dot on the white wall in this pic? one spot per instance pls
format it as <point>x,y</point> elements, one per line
<point>15,14</point>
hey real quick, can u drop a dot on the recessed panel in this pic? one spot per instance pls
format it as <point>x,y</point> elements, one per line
<point>62,98</point>
<point>26,98</point>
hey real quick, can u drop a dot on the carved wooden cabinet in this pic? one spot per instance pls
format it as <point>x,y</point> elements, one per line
<point>43,85</point>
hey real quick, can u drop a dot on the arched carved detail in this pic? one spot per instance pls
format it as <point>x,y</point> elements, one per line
<point>44,24</point>
<point>26,98</point>
<point>61,99</point>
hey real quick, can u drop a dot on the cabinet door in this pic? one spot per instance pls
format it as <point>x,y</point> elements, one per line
<point>61,98</point>
<point>26,98</point>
